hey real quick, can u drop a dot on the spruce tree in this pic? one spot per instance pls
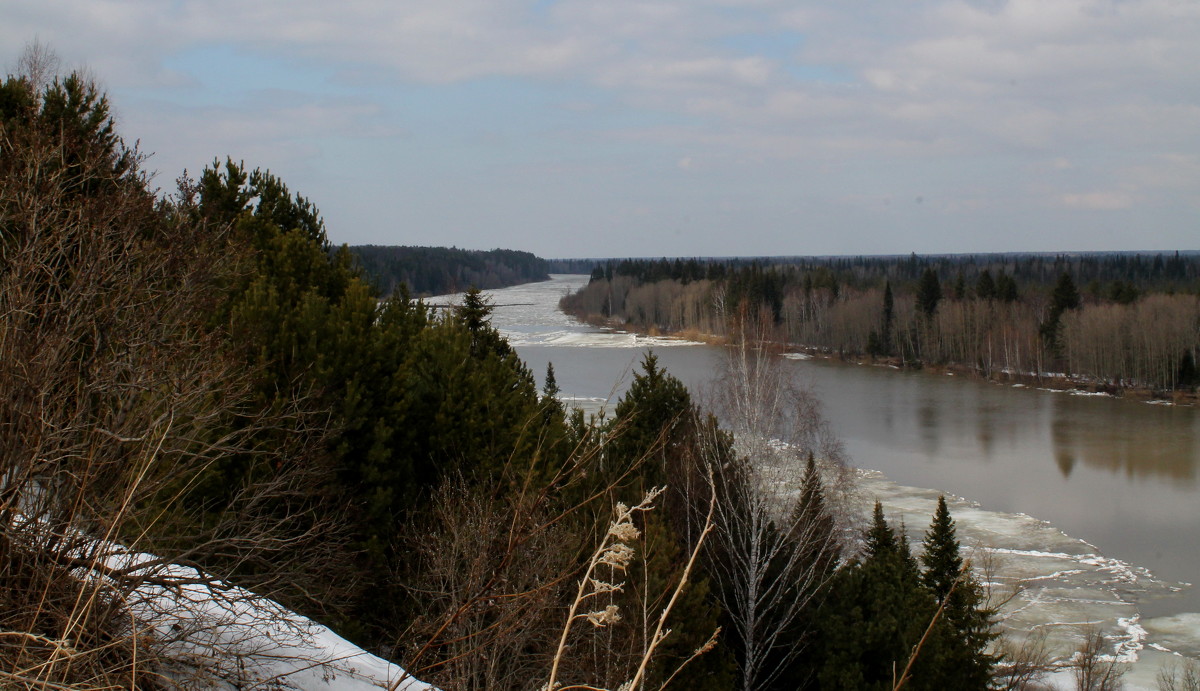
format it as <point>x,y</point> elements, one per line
<point>929,292</point>
<point>985,287</point>
<point>941,558</point>
<point>877,613</point>
<point>966,621</point>
<point>1006,287</point>
<point>819,538</point>
<point>1065,297</point>
<point>652,422</point>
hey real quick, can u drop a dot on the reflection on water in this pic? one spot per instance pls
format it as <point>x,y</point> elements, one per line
<point>1138,441</point>
<point>1119,474</point>
<point>1064,454</point>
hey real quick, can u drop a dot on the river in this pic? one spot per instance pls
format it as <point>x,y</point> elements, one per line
<point>1090,504</point>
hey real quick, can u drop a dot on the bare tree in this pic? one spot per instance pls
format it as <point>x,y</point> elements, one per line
<point>1172,678</point>
<point>1094,670</point>
<point>39,64</point>
<point>775,542</point>
<point>116,401</point>
<point>1023,665</point>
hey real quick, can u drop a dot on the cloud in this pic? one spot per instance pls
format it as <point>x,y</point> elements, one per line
<point>1091,104</point>
<point>1098,201</point>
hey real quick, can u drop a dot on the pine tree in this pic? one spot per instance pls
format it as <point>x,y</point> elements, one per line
<point>651,422</point>
<point>966,620</point>
<point>985,287</point>
<point>941,559</point>
<point>1065,297</point>
<point>929,292</point>
<point>880,614</point>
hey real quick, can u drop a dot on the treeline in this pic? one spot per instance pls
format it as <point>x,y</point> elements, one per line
<point>1113,320</point>
<point>443,270</point>
<point>203,379</point>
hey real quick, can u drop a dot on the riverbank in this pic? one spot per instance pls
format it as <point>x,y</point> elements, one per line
<point>1048,381</point>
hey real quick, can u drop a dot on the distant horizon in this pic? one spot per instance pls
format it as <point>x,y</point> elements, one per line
<point>1073,253</point>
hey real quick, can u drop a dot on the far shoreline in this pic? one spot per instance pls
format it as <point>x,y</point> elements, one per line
<point>1047,381</point>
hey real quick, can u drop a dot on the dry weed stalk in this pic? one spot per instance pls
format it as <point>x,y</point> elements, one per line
<point>614,552</point>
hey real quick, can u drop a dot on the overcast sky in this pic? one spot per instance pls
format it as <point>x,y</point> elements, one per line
<point>672,127</point>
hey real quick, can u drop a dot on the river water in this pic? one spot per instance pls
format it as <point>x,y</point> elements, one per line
<point>1088,507</point>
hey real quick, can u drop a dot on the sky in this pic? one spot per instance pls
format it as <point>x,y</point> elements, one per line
<point>596,128</point>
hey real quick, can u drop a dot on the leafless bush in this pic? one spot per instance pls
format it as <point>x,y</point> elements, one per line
<point>1094,670</point>
<point>491,576</point>
<point>1173,678</point>
<point>117,401</point>
<point>1023,665</point>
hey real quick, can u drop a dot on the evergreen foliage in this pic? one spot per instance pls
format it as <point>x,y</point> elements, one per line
<point>885,604</point>
<point>442,270</point>
<point>1065,297</point>
<point>929,292</point>
<point>967,662</point>
<point>882,611</point>
<point>985,287</point>
<point>652,424</point>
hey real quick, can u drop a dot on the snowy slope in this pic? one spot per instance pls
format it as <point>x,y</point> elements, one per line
<point>214,635</point>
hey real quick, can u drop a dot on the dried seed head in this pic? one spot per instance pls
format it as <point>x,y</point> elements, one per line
<point>617,556</point>
<point>609,615</point>
<point>624,531</point>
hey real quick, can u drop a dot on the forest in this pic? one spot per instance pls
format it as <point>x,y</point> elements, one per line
<point>441,270</point>
<point>202,376</point>
<point>1112,321</point>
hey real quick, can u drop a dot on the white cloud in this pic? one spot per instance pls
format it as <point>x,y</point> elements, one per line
<point>1098,201</point>
<point>1089,103</point>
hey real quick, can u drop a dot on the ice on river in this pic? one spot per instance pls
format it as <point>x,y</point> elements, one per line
<point>1052,581</point>
<point>521,314</point>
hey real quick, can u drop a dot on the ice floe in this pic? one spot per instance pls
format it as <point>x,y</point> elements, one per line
<point>1044,579</point>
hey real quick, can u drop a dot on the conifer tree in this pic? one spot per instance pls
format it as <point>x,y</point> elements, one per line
<point>941,559</point>
<point>1065,297</point>
<point>881,613</point>
<point>968,621</point>
<point>651,418</point>
<point>1006,287</point>
<point>929,292</point>
<point>960,286</point>
<point>985,286</point>
<point>819,540</point>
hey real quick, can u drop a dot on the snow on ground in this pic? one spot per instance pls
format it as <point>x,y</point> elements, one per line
<point>603,339</point>
<point>221,637</point>
<point>797,356</point>
<point>1051,581</point>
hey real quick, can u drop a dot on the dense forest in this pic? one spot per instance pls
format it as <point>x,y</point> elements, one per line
<point>1110,320</point>
<point>441,270</point>
<point>203,377</point>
